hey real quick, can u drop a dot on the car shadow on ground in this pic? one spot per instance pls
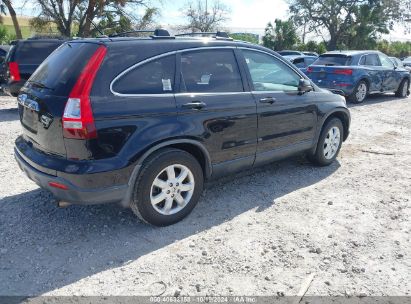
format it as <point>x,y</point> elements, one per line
<point>44,248</point>
<point>374,99</point>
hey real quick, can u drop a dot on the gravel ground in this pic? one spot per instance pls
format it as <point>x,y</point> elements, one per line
<point>257,233</point>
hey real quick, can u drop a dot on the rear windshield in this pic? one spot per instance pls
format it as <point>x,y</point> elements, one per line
<point>34,52</point>
<point>61,69</point>
<point>333,60</point>
<point>288,53</point>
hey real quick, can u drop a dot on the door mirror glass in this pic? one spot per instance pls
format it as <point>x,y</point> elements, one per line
<point>305,86</point>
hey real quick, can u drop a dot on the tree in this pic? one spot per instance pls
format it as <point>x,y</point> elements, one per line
<point>281,36</point>
<point>339,17</point>
<point>117,22</point>
<point>66,13</point>
<point>248,37</point>
<point>365,32</point>
<point>12,12</point>
<point>201,19</point>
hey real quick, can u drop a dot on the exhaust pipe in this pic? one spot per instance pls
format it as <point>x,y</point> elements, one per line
<point>62,204</point>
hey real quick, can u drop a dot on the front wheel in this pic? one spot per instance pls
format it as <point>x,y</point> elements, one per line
<point>403,89</point>
<point>168,188</point>
<point>329,143</point>
<point>360,93</point>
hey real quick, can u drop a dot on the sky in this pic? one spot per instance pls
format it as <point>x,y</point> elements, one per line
<point>245,16</point>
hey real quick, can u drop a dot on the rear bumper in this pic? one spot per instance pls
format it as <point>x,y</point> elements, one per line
<point>341,88</point>
<point>73,194</point>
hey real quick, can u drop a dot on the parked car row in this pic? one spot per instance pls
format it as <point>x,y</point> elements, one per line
<point>355,74</point>
<point>23,58</point>
<point>105,123</point>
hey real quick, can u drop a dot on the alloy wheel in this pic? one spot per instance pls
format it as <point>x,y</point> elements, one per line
<point>172,189</point>
<point>332,142</point>
<point>361,92</point>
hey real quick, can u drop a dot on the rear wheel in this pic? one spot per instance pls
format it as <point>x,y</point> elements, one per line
<point>360,92</point>
<point>168,188</point>
<point>329,143</point>
<point>403,89</point>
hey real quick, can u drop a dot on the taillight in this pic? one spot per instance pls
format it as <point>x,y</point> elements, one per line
<point>343,71</point>
<point>58,185</point>
<point>78,121</point>
<point>14,71</point>
<point>309,70</point>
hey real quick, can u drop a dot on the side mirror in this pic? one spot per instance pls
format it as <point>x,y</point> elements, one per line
<point>304,86</point>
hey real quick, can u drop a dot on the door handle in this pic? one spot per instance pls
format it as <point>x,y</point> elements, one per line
<point>269,100</point>
<point>197,105</point>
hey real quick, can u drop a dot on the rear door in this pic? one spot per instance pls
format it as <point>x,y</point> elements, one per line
<point>372,65</point>
<point>392,78</point>
<point>286,119</point>
<point>216,107</point>
<point>43,98</point>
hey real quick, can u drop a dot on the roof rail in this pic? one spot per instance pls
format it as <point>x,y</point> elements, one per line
<point>218,34</point>
<point>157,33</point>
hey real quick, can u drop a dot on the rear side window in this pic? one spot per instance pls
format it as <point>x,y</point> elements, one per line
<point>210,71</point>
<point>372,60</point>
<point>61,69</point>
<point>332,59</point>
<point>34,52</point>
<point>154,77</point>
<point>309,60</point>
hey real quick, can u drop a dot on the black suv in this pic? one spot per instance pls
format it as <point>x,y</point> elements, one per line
<point>23,59</point>
<point>144,121</point>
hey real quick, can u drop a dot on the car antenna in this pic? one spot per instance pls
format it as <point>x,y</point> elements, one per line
<point>98,29</point>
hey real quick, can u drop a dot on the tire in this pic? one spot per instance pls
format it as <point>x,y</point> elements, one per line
<point>360,93</point>
<point>176,198</point>
<point>403,89</point>
<point>321,157</point>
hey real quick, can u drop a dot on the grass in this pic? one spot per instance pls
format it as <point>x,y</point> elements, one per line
<point>26,30</point>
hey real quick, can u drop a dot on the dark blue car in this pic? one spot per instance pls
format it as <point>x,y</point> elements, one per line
<point>356,74</point>
<point>301,62</point>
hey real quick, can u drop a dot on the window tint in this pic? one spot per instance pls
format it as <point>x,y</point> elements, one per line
<point>56,73</point>
<point>154,77</point>
<point>34,52</point>
<point>309,60</point>
<point>386,62</point>
<point>210,71</point>
<point>372,60</point>
<point>362,60</point>
<point>269,73</point>
<point>333,59</point>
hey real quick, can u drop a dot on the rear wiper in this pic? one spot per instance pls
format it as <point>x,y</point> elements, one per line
<point>39,85</point>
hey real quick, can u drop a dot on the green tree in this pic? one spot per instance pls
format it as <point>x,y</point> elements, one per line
<point>366,30</point>
<point>80,13</point>
<point>9,5</point>
<point>282,35</point>
<point>253,38</point>
<point>344,19</point>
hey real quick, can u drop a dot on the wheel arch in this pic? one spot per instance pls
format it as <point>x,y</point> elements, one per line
<point>340,113</point>
<point>194,147</point>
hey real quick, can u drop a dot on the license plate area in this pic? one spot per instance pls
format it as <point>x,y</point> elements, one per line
<point>29,110</point>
